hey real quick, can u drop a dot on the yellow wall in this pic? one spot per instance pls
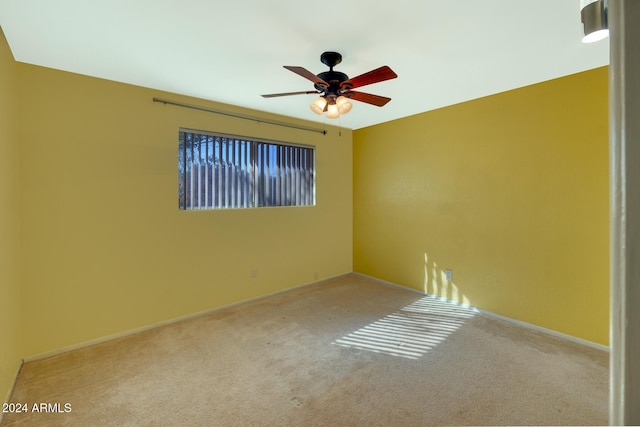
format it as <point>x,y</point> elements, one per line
<point>10,301</point>
<point>106,248</point>
<point>508,191</point>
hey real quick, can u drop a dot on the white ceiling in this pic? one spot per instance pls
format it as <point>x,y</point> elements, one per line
<point>444,51</point>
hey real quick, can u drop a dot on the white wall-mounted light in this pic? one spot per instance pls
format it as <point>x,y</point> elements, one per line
<point>594,19</point>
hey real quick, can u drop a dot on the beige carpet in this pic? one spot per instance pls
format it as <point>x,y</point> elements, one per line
<point>346,352</point>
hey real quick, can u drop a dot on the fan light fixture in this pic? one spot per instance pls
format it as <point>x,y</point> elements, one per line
<point>593,14</point>
<point>332,111</point>
<point>334,107</point>
<point>344,106</point>
<point>318,105</point>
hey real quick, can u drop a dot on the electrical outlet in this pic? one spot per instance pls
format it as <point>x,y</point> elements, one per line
<point>448,274</point>
<point>254,272</point>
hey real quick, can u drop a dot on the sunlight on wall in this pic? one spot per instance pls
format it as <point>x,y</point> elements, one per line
<point>516,200</point>
<point>437,284</point>
<point>412,331</point>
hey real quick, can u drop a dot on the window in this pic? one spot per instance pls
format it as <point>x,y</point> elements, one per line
<point>219,171</point>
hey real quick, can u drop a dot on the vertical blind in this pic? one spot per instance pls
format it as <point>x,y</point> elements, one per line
<point>223,171</point>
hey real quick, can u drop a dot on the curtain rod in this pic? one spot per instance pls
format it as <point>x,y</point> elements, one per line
<point>239,116</point>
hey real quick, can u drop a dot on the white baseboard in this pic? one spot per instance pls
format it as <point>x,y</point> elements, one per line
<point>498,316</point>
<point>546,331</point>
<point>166,322</point>
<point>384,282</point>
<point>394,285</point>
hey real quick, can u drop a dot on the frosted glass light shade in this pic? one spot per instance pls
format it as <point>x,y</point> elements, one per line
<point>332,111</point>
<point>344,106</point>
<point>596,36</point>
<point>318,105</point>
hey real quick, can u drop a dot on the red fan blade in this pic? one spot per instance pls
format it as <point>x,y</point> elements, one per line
<point>376,100</point>
<point>374,76</point>
<point>307,75</point>
<point>273,95</point>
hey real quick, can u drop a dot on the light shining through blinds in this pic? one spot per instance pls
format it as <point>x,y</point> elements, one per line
<point>226,172</point>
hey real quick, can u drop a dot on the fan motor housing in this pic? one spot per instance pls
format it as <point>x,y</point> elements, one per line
<point>334,78</point>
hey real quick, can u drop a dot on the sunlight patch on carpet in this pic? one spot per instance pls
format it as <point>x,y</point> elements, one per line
<point>411,331</point>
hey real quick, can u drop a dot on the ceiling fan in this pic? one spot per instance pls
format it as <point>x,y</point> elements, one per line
<point>336,87</point>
